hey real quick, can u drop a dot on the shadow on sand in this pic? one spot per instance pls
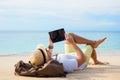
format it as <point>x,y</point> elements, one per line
<point>97,72</point>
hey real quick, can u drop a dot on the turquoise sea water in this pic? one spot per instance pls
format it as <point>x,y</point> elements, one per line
<point>23,42</point>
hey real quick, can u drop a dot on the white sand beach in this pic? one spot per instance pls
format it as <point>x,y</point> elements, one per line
<point>92,72</point>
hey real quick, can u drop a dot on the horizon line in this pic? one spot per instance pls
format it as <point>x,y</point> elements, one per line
<point>50,30</point>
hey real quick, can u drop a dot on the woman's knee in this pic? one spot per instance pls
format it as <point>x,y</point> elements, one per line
<point>71,34</point>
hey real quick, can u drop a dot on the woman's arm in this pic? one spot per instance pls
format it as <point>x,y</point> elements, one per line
<point>80,56</point>
<point>50,46</point>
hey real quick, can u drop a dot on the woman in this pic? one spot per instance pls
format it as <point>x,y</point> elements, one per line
<point>71,62</point>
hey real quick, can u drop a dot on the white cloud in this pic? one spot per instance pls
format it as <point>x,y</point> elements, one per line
<point>95,24</point>
<point>62,8</point>
<point>66,6</point>
<point>73,12</point>
<point>27,12</point>
<point>107,24</point>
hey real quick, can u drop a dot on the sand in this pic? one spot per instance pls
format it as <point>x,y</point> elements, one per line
<point>92,72</point>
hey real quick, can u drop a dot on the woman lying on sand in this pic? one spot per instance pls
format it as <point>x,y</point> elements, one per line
<point>71,62</point>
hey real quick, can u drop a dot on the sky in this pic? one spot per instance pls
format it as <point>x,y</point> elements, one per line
<point>80,15</point>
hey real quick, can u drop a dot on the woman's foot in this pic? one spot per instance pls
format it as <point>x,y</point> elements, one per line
<point>101,63</point>
<point>98,42</point>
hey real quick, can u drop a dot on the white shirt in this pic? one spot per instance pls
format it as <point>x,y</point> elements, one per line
<point>69,61</point>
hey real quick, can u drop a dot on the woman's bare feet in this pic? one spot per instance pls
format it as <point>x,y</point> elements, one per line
<point>98,42</point>
<point>99,63</point>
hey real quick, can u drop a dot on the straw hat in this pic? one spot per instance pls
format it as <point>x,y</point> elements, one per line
<point>39,56</point>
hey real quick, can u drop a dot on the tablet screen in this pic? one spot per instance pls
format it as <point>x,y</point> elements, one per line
<point>57,35</point>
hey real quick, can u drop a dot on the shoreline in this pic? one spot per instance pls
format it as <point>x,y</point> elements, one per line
<point>99,53</point>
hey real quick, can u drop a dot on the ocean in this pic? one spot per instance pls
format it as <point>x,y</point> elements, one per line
<point>24,42</point>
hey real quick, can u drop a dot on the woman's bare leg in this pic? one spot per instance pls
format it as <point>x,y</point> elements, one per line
<point>94,56</point>
<point>82,40</point>
<point>93,43</point>
<point>95,60</point>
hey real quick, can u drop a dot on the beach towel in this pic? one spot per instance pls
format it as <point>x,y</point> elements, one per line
<point>50,69</point>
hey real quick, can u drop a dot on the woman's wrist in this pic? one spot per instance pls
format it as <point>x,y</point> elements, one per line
<point>50,47</point>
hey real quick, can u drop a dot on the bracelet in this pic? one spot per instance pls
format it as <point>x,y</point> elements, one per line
<point>50,47</point>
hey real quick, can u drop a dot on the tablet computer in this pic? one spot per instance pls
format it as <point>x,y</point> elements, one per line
<point>57,35</point>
